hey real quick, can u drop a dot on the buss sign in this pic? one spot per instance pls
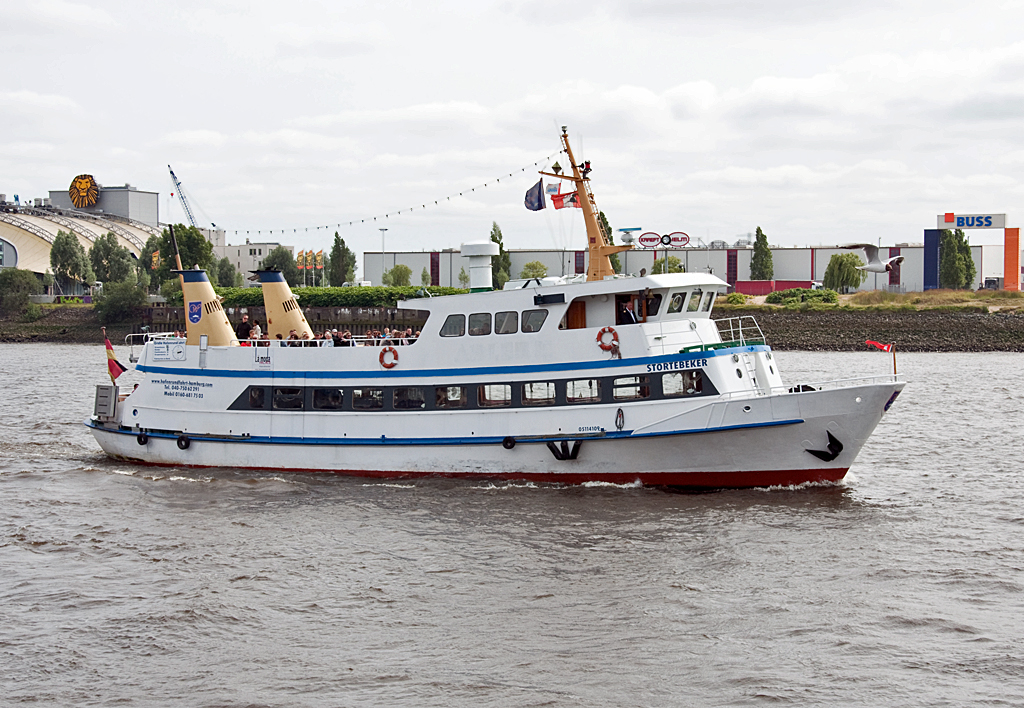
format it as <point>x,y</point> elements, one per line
<point>651,239</point>
<point>971,221</point>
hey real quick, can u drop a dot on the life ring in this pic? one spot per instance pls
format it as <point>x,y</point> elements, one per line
<point>394,359</point>
<point>612,344</point>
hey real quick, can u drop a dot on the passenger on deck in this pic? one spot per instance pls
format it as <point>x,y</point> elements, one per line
<point>627,316</point>
<point>256,327</point>
<point>242,330</point>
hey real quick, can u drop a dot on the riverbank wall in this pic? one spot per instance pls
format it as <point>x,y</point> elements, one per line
<point>933,330</point>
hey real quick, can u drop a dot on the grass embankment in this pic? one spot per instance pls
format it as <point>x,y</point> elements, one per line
<point>75,323</point>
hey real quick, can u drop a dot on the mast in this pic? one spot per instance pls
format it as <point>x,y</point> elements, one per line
<point>600,266</point>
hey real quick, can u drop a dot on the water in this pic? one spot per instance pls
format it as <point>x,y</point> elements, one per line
<point>154,587</point>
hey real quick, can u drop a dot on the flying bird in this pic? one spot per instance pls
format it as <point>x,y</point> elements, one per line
<point>874,264</point>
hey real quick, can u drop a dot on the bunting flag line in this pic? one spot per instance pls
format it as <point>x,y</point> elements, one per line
<point>114,367</point>
<point>388,215</point>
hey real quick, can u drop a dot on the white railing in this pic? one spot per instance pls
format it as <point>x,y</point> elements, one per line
<point>743,330</point>
<point>799,388</point>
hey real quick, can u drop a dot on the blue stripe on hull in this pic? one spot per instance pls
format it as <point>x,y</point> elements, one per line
<point>267,440</point>
<point>478,371</point>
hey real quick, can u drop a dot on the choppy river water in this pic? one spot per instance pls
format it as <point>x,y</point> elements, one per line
<point>131,586</point>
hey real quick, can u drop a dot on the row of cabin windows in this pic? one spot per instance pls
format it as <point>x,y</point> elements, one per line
<point>498,395</point>
<point>504,323</point>
<point>698,301</point>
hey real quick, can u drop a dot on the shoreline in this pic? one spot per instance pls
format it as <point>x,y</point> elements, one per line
<point>837,329</point>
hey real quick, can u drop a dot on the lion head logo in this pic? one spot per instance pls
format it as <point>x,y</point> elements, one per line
<point>83,191</point>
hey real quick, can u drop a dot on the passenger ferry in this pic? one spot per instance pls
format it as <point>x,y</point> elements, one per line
<point>614,379</point>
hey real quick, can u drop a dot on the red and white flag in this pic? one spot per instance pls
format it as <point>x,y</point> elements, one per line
<point>569,199</point>
<point>879,345</point>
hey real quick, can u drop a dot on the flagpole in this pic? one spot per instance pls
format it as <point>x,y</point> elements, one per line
<point>894,358</point>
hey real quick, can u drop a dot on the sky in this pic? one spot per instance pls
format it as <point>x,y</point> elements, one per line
<point>822,123</point>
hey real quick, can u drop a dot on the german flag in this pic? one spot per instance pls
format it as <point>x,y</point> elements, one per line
<point>113,365</point>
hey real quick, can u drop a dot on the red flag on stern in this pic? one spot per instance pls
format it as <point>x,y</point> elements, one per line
<point>113,365</point>
<point>879,345</point>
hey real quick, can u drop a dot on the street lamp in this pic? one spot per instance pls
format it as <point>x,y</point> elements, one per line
<point>383,265</point>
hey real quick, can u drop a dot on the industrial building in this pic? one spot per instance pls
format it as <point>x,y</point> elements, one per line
<point>729,263</point>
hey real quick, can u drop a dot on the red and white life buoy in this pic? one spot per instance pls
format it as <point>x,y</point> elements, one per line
<point>394,357</point>
<point>610,345</point>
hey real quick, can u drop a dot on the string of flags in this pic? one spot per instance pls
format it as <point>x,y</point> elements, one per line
<point>422,206</point>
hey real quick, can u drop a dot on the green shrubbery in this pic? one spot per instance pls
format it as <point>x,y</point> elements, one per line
<point>119,302</point>
<point>798,295</point>
<point>16,285</point>
<point>326,297</point>
<point>735,299</point>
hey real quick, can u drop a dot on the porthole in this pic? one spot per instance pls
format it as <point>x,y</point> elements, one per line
<point>736,357</point>
<point>739,374</point>
<point>858,399</point>
<point>771,368</point>
<point>746,409</point>
<point>768,355</point>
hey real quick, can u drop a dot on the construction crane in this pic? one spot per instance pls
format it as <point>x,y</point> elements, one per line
<point>181,196</point>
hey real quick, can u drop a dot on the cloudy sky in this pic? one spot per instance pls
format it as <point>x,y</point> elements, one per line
<point>821,122</point>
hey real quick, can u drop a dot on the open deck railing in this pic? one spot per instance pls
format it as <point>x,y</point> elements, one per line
<point>799,388</point>
<point>739,331</point>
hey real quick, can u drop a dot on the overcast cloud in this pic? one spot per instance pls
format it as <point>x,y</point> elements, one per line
<point>819,122</point>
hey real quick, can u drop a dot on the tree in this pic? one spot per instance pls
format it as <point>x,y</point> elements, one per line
<point>501,263</point>
<point>283,260</point>
<point>956,264</point>
<point>534,269</point>
<point>343,262</point>
<point>69,261</point>
<point>841,273</point>
<point>398,276</point>
<point>674,266</point>
<point>147,261</point>
<point>111,262</point>
<point>195,251</point>
<point>606,227</point>
<point>119,301</point>
<point>761,267</point>
<point>15,287</point>
<point>226,273</point>
<point>464,278</point>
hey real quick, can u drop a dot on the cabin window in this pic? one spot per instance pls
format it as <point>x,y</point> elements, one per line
<point>256,397</point>
<point>539,394</point>
<point>708,299</point>
<point>495,395</point>
<point>451,397</point>
<point>288,399</point>
<point>675,302</point>
<point>653,304</point>
<point>533,320</point>
<point>506,322</point>
<point>630,388</point>
<point>686,383</point>
<point>454,326</point>
<point>409,399</point>
<point>365,399</point>
<point>694,303</point>
<point>583,391</point>
<point>479,324</point>
<point>327,399</point>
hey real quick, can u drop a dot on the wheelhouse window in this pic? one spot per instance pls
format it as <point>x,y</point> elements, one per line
<point>694,303</point>
<point>686,383</point>
<point>479,324</point>
<point>583,391</point>
<point>539,394</point>
<point>653,304</point>
<point>676,301</point>
<point>288,399</point>
<point>451,397</point>
<point>454,326</point>
<point>708,299</point>
<point>630,388</point>
<point>506,322</point>
<point>366,399</point>
<point>533,320</point>
<point>328,399</point>
<point>256,397</point>
<point>409,399</point>
<point>495,395</point>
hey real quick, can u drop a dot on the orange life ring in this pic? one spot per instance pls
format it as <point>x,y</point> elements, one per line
<point>394,360</point>
<point>611,345</point>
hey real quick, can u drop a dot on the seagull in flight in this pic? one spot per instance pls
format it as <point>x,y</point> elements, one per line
<point>874,264</point>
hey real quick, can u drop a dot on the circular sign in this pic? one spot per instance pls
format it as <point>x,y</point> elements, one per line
<point>649,240</point>
<point>83,191</point>
<point>666,240</point>
<point>679,239</point>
